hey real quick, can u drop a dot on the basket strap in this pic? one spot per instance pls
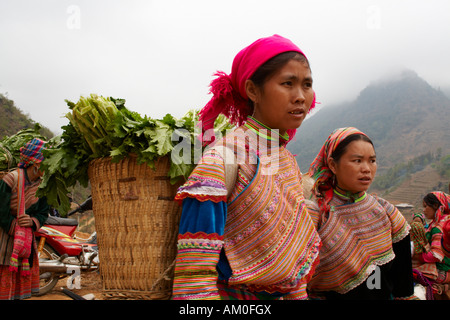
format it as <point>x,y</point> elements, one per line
<point>165,275</point>
<point>231,167</point>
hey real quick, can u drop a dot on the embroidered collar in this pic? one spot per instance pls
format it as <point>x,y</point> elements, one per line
<point>351,197</point>
<point>265,132</point>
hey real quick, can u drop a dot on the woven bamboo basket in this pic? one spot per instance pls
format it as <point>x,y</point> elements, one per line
<point>136,221</point>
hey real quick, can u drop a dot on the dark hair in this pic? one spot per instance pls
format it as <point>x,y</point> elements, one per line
<point>342,147</point>
<point>432,201</point>
<point>268,69</point>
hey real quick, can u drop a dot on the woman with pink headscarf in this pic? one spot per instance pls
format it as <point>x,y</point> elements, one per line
<point>245,232</point>
<point>432,261</point>
<point>365,253</point>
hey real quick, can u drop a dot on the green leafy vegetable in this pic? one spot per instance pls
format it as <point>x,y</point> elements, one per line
<point>103,127</point>
<point>10,146</point>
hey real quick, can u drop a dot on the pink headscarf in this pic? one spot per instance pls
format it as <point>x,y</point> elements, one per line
<point>229,95</point>
<point>320,169</point>
<point>442,213</point>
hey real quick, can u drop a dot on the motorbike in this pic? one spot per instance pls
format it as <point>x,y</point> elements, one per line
<point>62,254</point>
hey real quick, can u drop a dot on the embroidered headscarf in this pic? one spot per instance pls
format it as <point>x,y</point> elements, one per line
<point>319,169</point>
<point>229,95</point>
<point>31,153</point>
<point>444,208</point>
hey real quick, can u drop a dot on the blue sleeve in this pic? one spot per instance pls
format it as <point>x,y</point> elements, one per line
<point>203,216</point>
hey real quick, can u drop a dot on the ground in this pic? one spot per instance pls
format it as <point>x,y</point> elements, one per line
<point>90,284</point>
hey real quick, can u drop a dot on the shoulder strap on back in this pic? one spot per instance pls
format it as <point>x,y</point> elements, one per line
<point>231,167</point>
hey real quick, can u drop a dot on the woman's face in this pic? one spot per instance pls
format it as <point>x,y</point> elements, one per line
<point>429,211</point>
<point>34,171</point>
<point>285,98</point>
<point>356,168</point>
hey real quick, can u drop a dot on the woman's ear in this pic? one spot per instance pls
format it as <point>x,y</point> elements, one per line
<point>251,90</point>
<point>332,164</point>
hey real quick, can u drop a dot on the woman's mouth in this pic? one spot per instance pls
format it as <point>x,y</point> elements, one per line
<point>365,180</point>
<point>297,113</point>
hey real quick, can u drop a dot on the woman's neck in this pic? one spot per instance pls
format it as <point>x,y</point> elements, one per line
<point>353,196</point>
<point>265,131</point>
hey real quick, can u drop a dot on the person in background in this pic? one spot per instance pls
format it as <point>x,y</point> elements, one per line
<point>366,252</point>
<point>21,213</point>
<point>419,243</point>
<point>446,233</point>
<point>251,239</point>
<point>430,258</point>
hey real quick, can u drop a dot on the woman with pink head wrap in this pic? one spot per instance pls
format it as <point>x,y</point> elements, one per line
<point>365,253</point>
<point>434,261</point>
<point>245,233</point>
<point>230,96</point>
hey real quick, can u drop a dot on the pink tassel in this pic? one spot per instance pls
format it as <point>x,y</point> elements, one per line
<point>225,101</point>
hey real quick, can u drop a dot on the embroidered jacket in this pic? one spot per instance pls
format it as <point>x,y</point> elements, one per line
<point>260,237</point>
<point>360,236</point>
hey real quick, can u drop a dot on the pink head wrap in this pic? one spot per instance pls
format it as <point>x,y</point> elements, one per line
<point>444,209</point>
<point>320,169</point>
<point>229,95</point>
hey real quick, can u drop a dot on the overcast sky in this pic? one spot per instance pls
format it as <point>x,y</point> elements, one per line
<point>160,55</point>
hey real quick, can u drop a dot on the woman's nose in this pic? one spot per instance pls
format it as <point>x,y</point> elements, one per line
<point>299,95</point>
<point>365,167</point>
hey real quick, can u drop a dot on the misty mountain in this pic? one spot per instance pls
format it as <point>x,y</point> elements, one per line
<point>404,116</point>
<point>12,119</point>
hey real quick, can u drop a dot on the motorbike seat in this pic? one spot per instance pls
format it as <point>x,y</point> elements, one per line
<point>58,221</point>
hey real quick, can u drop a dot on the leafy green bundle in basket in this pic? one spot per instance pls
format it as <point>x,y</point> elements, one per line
<point>103,127</point>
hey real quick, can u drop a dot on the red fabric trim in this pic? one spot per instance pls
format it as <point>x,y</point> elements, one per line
<point>200,197</point>
<point>200,235</point>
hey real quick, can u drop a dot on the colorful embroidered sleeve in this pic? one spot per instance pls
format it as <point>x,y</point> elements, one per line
<point>399,226</point>
<point>200,238</point>
<point>436,253</point>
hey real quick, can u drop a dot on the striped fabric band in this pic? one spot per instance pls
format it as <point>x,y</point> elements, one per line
<point>207,181</point>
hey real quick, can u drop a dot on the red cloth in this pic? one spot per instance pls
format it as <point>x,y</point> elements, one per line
<point>444,208</point>
<point>446,235</point>
<point>23,236</point>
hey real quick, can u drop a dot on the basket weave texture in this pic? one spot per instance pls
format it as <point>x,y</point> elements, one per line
<point>136,221</point>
